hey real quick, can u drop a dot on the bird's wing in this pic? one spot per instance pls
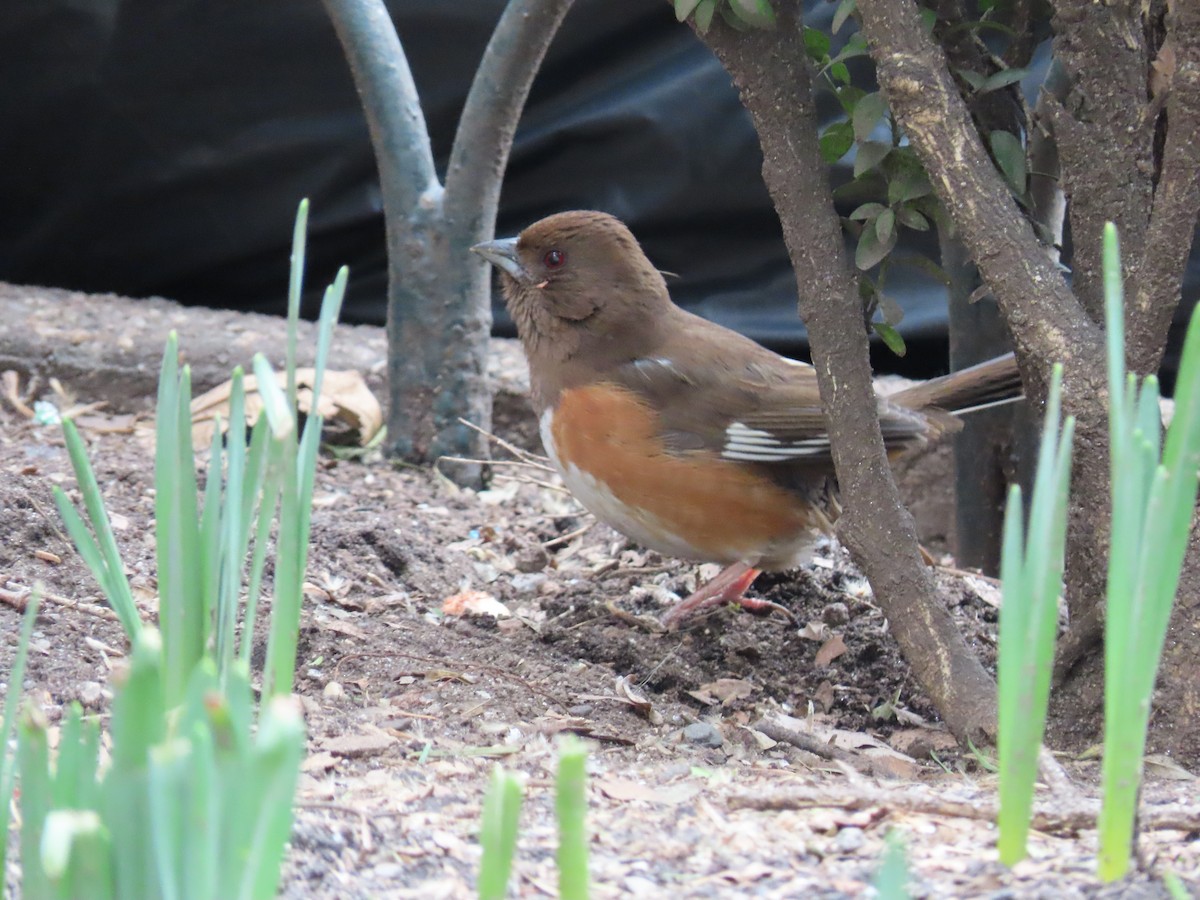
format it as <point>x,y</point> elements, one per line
<point>746,403</point>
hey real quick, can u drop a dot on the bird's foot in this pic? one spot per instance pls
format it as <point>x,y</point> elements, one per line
<point>728,587</point>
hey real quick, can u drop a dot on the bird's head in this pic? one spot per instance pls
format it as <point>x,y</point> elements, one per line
<point>576,280</point>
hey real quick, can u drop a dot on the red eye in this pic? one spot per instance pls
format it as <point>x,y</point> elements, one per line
<point>554,259</point>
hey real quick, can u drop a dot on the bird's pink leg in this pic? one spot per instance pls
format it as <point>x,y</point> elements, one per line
<point>727,587</point>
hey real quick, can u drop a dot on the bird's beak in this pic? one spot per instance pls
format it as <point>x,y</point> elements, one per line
<point>502,253</point>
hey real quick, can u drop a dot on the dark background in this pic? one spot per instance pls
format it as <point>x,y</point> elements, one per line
<point>159,147</point>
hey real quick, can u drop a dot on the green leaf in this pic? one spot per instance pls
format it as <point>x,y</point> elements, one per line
<point>890,336</point>
<point>839,73</point>
<point>872,248</point>
<point>848,96</point>
<point>974,79</point>
<point>1010,157</point>
<point>910,218</point>
<point>844,11</point>
<point>570,805</point>
<point>867,113</point>
<point>928,20</point>
<point>704,15</point>
<point>890,311</point>
<point>836,141</point>
<point>1000,79</point>
<point>869,155</point>
<point>885,226</point>
<point>755,13</point>
<point>856,45</point>
<point>684,8</point>
<point>867,211</point>
<point>817,44</point>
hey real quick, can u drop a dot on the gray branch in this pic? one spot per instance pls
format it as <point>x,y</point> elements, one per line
<point>389,98</point>
<point>489,118</point>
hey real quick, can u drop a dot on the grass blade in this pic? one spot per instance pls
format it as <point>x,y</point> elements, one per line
<point>571,807</point>
<point>498,834</point>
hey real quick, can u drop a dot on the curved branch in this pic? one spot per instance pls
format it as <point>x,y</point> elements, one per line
<point>1047,321</point>
<point>389,98</point>
<point>489,118</point>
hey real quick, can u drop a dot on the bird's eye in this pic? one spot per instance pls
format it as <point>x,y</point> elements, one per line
<point>554,259</point>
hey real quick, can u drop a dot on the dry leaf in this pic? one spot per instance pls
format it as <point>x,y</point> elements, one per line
<point>347,405</point>
<point>723,691</point>
<point>814,631</point>
<point>474,603</point>
<point>625,790</point>
<point>830,650</point>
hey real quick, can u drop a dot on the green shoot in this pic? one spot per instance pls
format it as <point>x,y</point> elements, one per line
<point>1153,499</point>
<point>498,834</point>
<point>1031,577</point>
<point>891,882</point>
<point>571,808</point>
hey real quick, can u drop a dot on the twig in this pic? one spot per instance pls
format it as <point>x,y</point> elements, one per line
<point>1055,817</point>
<point>568,537</point>
<point>523,455</point>
<point>19,599</point>
<point>777,731</point>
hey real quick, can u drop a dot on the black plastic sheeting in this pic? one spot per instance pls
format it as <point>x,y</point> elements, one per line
<point>159,147</point>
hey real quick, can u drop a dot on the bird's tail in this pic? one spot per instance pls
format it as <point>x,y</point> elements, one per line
<point>986,384</point>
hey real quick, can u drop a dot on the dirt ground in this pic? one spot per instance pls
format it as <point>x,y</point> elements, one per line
<point>704,782</point>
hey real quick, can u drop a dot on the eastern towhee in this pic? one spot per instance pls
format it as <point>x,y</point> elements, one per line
<point>681,434</point>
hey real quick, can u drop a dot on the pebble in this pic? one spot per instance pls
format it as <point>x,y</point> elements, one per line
<point>703,735</point>
<point>835,614</point>
<point>527,582</point>
<point>333,690</point>
<point>849,839</point>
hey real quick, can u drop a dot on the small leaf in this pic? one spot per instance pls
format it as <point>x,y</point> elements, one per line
<point>1001,79</point>
<point>755,13</point>
<point>849,96</point>
<point>816,43</point>
<point>910,218</point>
<point>907,184</point>
<point>885,225</point>
<point>1010,157</point>
<point>872,249</point>
<point>890,311</point>
<point>974,79</point>
<point>704,15</point>
<point>684,8</point>
<point>856,45</point>
<point>844,10</point>
<point>730,18</point>
<point>839,72</point>
<point>867,211</point>
<point>869,155</point>
<point>867,113</point>
<point>928,20</point>
<point>890,336</point>
<point>836,141</point>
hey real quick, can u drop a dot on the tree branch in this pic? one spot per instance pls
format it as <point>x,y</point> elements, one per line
<point>1176,200</point>
<point>389,99</point>
<point>769,68</point>
<point>1046,321</point>
<point>489,119</point>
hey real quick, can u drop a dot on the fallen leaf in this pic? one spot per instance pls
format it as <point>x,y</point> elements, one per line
<point>830,650</point>
<point>347,405</point>
<point>814,631</point>
<point>625,790</point>
<point>474,603</point>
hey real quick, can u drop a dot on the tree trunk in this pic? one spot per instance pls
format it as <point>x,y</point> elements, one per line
<point>770,69</point>
<point>439,297</point>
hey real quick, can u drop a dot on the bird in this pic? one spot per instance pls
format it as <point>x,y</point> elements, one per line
<point>685,436</point>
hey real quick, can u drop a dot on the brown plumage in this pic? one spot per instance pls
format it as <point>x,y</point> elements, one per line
<point>687,437</point>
